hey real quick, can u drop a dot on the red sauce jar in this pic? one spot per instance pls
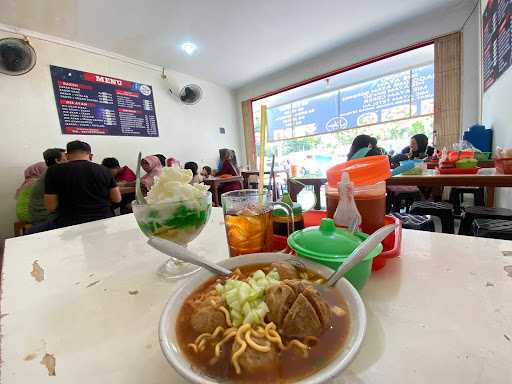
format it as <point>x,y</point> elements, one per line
<point>368,176</point>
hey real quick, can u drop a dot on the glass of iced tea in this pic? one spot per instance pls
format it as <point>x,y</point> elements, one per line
<point>249,223</point>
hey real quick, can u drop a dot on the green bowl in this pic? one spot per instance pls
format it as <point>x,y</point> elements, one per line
<point>358,276</point>
<point>482,156</point>
<point>331,246</point>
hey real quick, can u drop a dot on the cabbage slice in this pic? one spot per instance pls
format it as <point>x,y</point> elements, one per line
<point>246,299</point>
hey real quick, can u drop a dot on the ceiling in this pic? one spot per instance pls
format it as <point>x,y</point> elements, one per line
<point>238,40</point>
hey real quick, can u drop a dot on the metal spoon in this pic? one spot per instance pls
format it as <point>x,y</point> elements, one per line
<point>181,253</point>
<point>138,191</point>
<point>360,253</point>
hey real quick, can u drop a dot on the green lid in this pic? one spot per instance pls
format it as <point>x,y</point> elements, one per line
<point>296,207</point>
<point>328,242</point>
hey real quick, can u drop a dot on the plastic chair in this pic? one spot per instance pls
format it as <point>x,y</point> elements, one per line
<point>495,229</point>
<point>457,197</point>
<point>440,209</point>
<point>472,213</point>
<point>416,222</point>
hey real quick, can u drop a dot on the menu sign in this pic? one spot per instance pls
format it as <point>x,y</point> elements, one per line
<point>92,104</point>
<point>496,40</point>
<point>389,98</point>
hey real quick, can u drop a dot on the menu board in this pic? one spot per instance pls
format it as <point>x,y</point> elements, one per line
<point>92,104</point>
<point>389,98</point>
<point>496,40</point>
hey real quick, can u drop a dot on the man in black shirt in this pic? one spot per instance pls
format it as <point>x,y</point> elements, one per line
<point>80,190</point>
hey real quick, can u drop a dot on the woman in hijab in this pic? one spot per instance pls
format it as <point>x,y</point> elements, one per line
<point>361,148</point>
<point>418,148</point>
<point>229,168</point>
<point>32,173</point>
<point>153,168</point>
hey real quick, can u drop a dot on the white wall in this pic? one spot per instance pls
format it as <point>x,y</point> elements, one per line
<point>471,73</point>
<point>497,114</point>
<point>29,122</point>
<point>422,28</point>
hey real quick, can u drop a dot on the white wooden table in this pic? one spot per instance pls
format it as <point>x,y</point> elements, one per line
<point>441,313</point>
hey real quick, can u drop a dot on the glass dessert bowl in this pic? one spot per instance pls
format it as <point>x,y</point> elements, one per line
<point>176,211</point>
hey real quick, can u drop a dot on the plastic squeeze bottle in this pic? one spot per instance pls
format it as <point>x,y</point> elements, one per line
<point>347,215</point>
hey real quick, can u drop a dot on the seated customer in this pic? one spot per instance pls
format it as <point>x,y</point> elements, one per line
<point>418,148</point>
<point>125,178</point>
<point>375,146</point>
<point>361,148</point>
<point>80,190</point>
<point>40,218</point>
<point>32,174</point>
<point>206,172</point>
<point>123,175</point>
<point>196,179</point>
<point>228,168</point>
<point>161,158</point>
<point>153,168</point>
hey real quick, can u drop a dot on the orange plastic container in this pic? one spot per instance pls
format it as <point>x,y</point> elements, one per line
<point>368,175</point>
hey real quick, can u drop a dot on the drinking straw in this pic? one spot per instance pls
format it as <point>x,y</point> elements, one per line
<point>263,136</point>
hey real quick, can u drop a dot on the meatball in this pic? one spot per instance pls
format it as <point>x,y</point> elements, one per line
<point>253,361</point>
<point>206,316</point>
<point>286,270</point>
<point>297,308</point>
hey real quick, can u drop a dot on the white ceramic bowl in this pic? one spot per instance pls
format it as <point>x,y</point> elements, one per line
<point>167,329</point>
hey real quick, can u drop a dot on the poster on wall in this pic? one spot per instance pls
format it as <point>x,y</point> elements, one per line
<point>496,40</point>
<point>92,104</point>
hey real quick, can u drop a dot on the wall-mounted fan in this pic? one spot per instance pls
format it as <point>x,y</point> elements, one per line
<point>188,94</point>
<point>17,56</point>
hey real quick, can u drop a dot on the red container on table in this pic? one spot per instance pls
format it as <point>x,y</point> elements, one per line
<point>459,155</point>
<point>504,165</point>
<point>368,175</point>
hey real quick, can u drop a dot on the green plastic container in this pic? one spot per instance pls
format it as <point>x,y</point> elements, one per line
<point>466,163</point>
<point>330,246</point>
<point>483,155</point>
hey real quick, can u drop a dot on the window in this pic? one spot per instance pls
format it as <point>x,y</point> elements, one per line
<point>313,125</point>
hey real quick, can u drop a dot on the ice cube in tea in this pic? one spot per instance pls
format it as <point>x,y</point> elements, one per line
<point>248,231</point>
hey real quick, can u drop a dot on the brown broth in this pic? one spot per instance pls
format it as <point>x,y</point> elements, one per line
<point>292,365</point>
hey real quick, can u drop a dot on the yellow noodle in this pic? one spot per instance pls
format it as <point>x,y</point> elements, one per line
<point>205,336</point>
<point>274,337</point>
<point>307,339</point>
<point>259,332</point>
<point>227,315</point>
<point>243,347</point>
<point>193,346</point>
<point>256,346</point>
<point>300,345</point>
<point>224,340</point>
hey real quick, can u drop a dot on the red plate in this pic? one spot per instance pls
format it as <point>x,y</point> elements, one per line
<point>458,171</point>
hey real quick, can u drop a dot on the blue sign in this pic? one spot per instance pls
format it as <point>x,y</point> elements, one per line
<point>92,104</point>
<point>389,98</point>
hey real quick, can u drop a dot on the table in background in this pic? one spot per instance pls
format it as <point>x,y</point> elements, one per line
<point>295,188</point>
<point>215,182</point>
<point>481,164</point>
<point>489,182</point>
<point>440,313</point>
<point>247,174</point>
